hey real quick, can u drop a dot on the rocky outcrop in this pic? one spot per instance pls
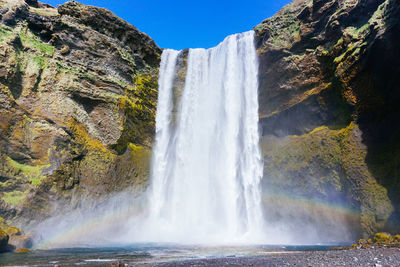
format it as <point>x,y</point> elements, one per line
<point>329,94</point>
<point>13,239</point>
<point>78,89</point>
<point>3,241</point>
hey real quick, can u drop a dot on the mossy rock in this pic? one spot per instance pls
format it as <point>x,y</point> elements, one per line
<point>21,241</point>
<point>383,238</point>
<point>3,223</point>
<point>22,250</point>
<point>12,230</point>
<point>14,198</point>
<point>355,246</point>
<point>362,241</point>
<point>327,164</point>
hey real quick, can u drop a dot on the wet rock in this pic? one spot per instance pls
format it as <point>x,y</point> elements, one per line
<point>3,241</point>
<point>64,50</point>
<point>118,264</point>
<point>300,258</point>
<point>16,239</point>
<point>22,250</point>
<point>20,241</point>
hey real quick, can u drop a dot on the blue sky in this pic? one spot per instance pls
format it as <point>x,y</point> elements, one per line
<point>182,24</point>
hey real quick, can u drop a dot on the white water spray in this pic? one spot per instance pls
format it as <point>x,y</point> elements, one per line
<point>207,165</point>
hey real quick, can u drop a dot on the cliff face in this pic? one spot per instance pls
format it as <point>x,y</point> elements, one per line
<point>329,94</point>
<point>77,106</point>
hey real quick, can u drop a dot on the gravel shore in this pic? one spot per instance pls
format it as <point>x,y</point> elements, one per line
<point>377,257</point>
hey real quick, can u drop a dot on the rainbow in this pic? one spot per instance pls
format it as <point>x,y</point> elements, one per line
<point>99,228</point>
<point>310,204</point>
<point>113,224</point>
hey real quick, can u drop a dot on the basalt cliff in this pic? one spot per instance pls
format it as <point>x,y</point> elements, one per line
<point>329,88</point>
<point>78,100</point>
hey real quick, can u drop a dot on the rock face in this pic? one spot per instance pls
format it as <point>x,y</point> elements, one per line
<point>78,90</point>
<point>13,238</point>
<point>329,94</point>
<point>3,241</point>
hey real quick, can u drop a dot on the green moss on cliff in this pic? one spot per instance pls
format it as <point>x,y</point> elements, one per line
<point>321,144</point>
<point>14,198</point>
<point>32,173</point>
<point>31,41</point>
<point>141,158</point>
<point>139,108</point>
<point>323,163</point>
<point>125,55</point>
<point>82,137</point>
<point>5,32</point>
<point>40,61</point>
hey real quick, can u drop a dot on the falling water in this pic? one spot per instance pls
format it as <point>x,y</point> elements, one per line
<point>207,164</point>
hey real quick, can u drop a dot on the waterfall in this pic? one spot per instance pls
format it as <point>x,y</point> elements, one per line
<point>207,163</point>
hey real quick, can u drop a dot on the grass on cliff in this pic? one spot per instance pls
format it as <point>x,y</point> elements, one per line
<point>5,32</point>
<point>32,173</point>
<point>40,62</point>
<point>31,41</point>
<point>14,198</point>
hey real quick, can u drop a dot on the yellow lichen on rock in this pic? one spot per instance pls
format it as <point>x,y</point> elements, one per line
<point>141,157</point>
<point>382,238</point>
<point>83,137</point>
<point>325,159</point>
<point>14,198</point>
<point>12,230</point>
<point>22,250</point>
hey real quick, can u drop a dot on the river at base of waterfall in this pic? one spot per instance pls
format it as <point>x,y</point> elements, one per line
<point>151,254</point>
